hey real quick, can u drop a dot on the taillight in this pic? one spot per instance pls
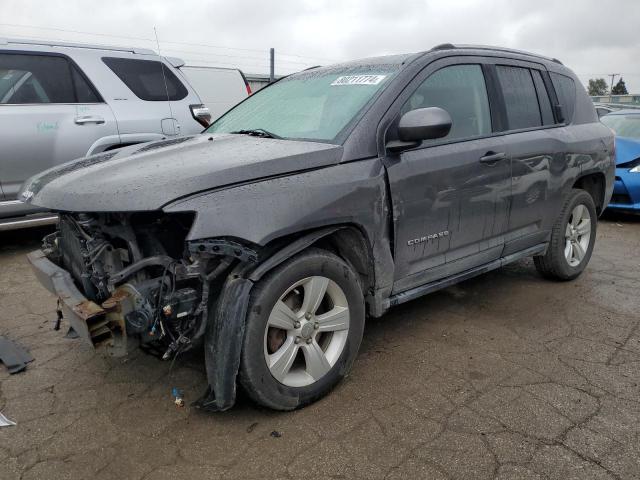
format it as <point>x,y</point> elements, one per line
<point>201,114</point>
<point>613,151</point>
<point>246,83</point>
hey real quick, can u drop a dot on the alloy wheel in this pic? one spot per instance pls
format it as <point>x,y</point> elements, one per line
<point>306,331</point>
<point>577,235</point>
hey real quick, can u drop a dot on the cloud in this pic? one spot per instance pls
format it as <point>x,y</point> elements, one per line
<point>308,32</point>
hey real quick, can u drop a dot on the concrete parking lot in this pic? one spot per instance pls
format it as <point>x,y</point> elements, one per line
<point>505,376</point>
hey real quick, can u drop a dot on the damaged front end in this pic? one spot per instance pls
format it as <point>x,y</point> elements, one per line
<point>125,280</point>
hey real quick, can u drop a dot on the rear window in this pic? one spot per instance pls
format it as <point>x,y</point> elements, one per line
<point>38,79</point>
<point>566,92</point>
<point>149,80</point>
<point>520,97</point>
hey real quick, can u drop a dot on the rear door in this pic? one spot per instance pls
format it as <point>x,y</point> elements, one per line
<point>536,149</point>
<point>450,196</point>
<point>148,97</point>
<point>49,114</point>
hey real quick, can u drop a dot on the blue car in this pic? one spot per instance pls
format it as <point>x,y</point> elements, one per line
<point>626,189</point>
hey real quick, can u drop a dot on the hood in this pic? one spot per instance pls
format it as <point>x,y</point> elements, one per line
<point>627,149</point>
<point>148,176</point>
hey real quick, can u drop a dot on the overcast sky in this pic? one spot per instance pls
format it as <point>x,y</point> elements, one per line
<point>588,36</point>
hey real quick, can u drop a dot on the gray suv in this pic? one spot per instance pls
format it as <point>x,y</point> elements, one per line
<point>331,195</point>
<point>61,101</point>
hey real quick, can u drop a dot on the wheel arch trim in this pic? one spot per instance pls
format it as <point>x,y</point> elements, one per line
<point>225,331</point>
<point>595,184</point>
<point>283,254</point>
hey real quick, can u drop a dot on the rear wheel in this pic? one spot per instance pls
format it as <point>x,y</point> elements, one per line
<point>304,329</point>
<point>572,239</point>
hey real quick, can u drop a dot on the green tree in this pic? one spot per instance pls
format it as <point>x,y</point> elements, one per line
<point>619,88</point>
<point>597,87</point>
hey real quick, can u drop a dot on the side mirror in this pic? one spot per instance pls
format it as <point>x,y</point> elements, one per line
<point>424,124</point>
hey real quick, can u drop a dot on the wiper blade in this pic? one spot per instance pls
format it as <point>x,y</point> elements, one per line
<point>258,132</point>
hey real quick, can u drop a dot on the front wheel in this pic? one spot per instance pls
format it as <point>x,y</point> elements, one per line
<point>572,239</point>
<point>304,328</point>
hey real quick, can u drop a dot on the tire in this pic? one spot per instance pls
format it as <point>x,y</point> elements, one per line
<point>569,250</point>
<point>282,341</point>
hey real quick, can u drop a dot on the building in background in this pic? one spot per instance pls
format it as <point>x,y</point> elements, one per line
<point>258,80</point>
<point>627,101</point>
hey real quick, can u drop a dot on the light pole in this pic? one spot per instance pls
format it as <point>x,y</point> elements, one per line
<point>272,54</point>
<point>613,76</point>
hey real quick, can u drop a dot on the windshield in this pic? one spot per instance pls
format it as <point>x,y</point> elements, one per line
<point>314,105</point>
<point>623,125</point>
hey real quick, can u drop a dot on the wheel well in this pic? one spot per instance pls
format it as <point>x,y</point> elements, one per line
<point>594,184</point>
<point>350,244</point>
<point>119,145</point>
<point>347,242</point>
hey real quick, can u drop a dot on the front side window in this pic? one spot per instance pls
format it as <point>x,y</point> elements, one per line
<point>462,92</point>
<point>28,79</point>
<point>315,105</point>
<point>520,97</point>
<point>149,80</point>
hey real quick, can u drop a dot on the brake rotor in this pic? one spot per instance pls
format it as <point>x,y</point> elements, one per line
<point>275,339</point>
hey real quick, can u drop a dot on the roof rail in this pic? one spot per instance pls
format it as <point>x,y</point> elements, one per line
<point>55,43</point>
<point>443,46</point>
<point>451,46</point>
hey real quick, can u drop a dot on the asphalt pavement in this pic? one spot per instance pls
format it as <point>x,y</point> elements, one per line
<point>505,376</point>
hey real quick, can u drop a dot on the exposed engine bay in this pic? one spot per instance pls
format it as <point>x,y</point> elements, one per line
<point>144,283</point>
<point>137,279</point>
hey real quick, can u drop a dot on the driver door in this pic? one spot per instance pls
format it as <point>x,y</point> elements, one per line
<point>451,195</point>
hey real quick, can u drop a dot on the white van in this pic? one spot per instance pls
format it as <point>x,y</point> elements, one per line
<point>219,89</point>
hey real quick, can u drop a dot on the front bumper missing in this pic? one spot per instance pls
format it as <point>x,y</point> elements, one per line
<point>103,326</point>
<point>98,327</point>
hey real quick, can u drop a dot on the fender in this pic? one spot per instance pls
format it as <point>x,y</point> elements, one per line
<point>289,251</point>
<point>353,193</point>
<point>225,331</point>
<point>268,209</point>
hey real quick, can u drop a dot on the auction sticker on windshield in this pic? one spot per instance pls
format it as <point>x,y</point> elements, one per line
<point>358,80</point>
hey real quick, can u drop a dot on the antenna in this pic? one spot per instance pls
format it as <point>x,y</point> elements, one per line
<point>166,88</point>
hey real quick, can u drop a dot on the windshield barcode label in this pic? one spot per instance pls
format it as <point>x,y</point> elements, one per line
<point>359,80</point>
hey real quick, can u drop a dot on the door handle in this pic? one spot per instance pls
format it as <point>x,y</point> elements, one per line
<point>88,119</point>
<point>491,158</point>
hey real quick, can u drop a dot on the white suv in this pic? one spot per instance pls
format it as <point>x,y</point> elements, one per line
<point>61,101</point>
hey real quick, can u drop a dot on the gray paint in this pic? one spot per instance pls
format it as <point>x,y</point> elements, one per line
<point>275,195</point>
<point>260,190</point>
<point>147,177</point>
